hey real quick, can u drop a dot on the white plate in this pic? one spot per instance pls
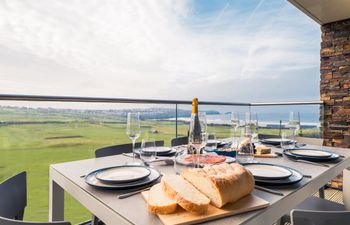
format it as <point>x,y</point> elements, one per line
<point>264,171</point>
<point>157,149</point>
<point>212,141</point>
<point>123,174</point>
<point>93,181</point>
<point>313,153</point>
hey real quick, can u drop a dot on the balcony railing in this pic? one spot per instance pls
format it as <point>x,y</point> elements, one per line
<point>33,138</point>
<point>42,98</point>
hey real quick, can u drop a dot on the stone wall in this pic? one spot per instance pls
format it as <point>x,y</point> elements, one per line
<point>335,83</point>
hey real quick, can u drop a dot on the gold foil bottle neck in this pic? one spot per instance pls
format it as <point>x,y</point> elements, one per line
<point>195,106</point>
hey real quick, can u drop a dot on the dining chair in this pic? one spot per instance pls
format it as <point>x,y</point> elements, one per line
<point>13,200</point>
<point>119,149</point>
<point>265,136</point>
<point>310,217</point>
<point>179,141</point>
<point>317,206</point>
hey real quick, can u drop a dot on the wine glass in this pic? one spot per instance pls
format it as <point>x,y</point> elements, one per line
<point>133,130</point>
<point>294,124</point>
<point>197,135</point>
<point>251,125</point>
<point>234,122</point>
<point>148,151</point>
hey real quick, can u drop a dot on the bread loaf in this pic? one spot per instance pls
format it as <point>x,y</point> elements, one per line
<point>185,194</point>
<point>159,202</point>
<point>221,183</point>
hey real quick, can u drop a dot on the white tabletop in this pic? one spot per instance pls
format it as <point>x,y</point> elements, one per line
<point>133,210</point>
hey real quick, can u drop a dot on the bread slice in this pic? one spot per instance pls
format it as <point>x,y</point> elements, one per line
<point>221,183</point>
<point>262,149</point>
<point>187,196</point>
<point>159,202</point>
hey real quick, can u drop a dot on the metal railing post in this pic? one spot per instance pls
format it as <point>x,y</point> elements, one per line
<point>176,120</point>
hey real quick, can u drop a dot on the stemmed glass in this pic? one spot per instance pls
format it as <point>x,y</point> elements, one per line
<point>133,130</point>
<point>294,124</point>
<point>251,125</point>
<point>197,135</point>
<point>234,121</point>
<point>235,124</point>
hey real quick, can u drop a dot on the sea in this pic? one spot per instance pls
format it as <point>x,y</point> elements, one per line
<point>307,119</point>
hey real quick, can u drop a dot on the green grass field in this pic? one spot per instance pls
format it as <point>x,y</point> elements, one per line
<point>33,147</point>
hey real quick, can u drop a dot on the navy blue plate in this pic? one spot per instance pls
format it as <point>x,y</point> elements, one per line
<point>91,180</point>
<point>294,178</point>
<point>333,157</point>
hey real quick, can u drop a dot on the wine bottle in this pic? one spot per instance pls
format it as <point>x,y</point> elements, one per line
<point>195,135</point>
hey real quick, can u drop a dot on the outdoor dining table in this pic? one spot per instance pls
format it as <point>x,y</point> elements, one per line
<point>68,177</point>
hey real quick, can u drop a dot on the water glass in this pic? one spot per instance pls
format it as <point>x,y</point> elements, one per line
<point>245,153</point>
<point>286,139</point>
<point>212,143</point>
<point>148,151</point>
<point>179,161</point>
<point>294,124</point>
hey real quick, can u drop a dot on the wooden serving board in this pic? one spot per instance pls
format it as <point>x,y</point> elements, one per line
<point>271,155</point>
<point>182,217</point>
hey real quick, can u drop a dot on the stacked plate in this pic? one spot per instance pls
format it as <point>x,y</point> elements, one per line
<point>160,151</point>
<point>122,177</point>
<point>314,155</point>
<point>274,141</point>
<point>274,175</point>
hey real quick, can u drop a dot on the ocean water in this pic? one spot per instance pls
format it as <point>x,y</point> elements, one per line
<point>265,119</point>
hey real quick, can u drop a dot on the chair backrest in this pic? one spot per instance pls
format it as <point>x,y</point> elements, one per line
<point>346,188</point>
<point>119,149</point>
<point>13,200</point>
<point>13,196</point>
<point>309,141</point>
<point>179,141</point>
<point>5,221</point>
<point>309,217</point>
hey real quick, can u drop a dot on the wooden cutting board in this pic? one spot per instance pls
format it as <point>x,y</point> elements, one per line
<point>182,217</point>
<point>271,155</point>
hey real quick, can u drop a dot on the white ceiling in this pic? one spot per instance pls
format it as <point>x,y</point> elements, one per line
<point>324,11</point>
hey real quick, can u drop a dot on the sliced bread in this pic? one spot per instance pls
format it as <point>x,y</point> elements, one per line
<point>185,194</point>
<point>221,183</point>
<point>159,202</point>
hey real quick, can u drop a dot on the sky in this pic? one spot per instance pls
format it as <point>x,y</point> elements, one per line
<point>217,50</point>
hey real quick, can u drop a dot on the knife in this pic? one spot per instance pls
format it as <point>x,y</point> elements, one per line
<point>268,190</point>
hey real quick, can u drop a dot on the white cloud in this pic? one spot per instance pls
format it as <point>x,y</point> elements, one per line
<point>153,49</point>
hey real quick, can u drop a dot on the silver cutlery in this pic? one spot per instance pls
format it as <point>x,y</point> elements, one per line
<point>309,162</point>
<point>307,176</point>
<point>126,195</point>
<point>167,160</point>
<point>268,190</point>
